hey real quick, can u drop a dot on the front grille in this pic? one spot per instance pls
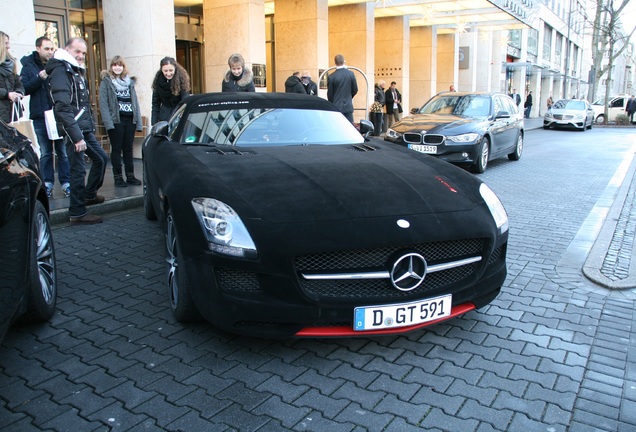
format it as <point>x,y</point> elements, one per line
<point>381,259</point>
<point>237,280</point>
<point>434,139</point>
<point>412,138</point>
<point>563,117</point>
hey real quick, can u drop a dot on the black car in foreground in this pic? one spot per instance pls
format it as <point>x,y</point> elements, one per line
<point>28,286</point>
<point>282,220</point>
<point>463,128</point>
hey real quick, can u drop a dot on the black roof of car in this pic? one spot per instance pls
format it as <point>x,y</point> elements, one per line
<point>217,101</point>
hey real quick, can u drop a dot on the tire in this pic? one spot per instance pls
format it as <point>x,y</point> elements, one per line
<point>181,302</point>
<point>483,154</point>
<point>600,119</point>
<point>591,125</point>
<point>42,269</point>
<point>149,210</point>
<point>516,155</point>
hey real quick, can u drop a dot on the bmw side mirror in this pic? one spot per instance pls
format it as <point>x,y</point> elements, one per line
<point>414,110</point>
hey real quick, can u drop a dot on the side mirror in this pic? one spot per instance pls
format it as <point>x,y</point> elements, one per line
<point>365,127</point>
<point>502,114</point>
<point>159,129</point>
<point>414,110</point>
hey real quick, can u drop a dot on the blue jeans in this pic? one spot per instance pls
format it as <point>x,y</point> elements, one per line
<point>46,157</point>
<point>81,191</point>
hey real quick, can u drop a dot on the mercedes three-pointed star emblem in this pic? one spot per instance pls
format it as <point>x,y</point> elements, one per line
<point>408,271</point>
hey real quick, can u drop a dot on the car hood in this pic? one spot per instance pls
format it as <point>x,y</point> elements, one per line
<point>323,183</point>
<point>436,123</point>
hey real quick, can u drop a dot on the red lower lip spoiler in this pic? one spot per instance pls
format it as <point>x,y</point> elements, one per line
<point>344,331</point>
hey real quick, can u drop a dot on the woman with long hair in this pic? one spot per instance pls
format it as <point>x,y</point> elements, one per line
<point>121,117</point>
<point>170,86</point>
<point>11,88</point>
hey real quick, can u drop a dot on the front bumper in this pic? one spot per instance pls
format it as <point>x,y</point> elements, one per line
<point>275,304</point>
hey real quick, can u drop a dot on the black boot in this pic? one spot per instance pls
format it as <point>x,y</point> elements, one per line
<point>119,181</point>
<point>130,179</point>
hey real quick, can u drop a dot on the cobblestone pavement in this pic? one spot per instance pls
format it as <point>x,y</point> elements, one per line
<point>554,352</point>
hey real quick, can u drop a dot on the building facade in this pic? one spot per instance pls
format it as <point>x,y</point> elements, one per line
<point>425,46</point>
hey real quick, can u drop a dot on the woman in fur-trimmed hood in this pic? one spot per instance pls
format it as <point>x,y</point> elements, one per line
<point>237,78</point>
<point>121,117</point>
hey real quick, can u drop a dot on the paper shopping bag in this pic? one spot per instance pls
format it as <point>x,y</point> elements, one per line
<point>51,125</point>
<point>25,127</point>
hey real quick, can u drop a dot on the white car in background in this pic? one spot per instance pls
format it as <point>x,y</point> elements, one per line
<point>616,106</point>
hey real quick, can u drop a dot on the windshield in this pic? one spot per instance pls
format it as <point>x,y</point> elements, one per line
<point>267,127</point>
<point>467,105</point>
<point>569,104</point>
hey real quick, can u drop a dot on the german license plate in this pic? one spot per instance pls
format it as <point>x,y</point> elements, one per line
<point>423,148</point>
<point>401,315</point>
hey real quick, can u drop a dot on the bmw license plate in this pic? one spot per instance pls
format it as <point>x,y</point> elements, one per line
<point>401,315</point>
<point>423,148</point>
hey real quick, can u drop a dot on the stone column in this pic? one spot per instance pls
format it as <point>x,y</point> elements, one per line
<point>232,26</point>
<point>352,34</point>
<point>301,38</point>
<point>392,54</point>
<point>422,66</point>
<point>468,48</point>
<point>141,31</point>
<point>447,71</point>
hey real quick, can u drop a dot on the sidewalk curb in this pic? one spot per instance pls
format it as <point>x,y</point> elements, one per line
<point>111,206</point>
<point>603,251</point>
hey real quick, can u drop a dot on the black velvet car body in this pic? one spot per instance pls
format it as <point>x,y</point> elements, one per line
<point>285,221</point>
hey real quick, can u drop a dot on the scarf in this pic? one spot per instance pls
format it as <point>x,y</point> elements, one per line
<point>8,65</point>
<point>121,84</point>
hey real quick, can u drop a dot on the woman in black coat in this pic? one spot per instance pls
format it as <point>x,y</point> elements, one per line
<point>170,86</point>
<point>11,88</point>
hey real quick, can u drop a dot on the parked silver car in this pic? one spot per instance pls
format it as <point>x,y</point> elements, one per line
<point>570,113</point>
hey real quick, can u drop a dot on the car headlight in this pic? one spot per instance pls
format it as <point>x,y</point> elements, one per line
<point>392,134</point>
<point>464,138</point>
<point>548,114</point>
<point>496,208</point>
<point>579,117</point>
<point>223,228</point>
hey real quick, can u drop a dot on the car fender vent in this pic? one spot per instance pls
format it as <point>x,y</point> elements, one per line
<point>230,151</point>
<point>365,147</point>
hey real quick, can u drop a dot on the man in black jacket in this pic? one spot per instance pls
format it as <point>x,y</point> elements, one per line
<point>342,87</point>
<point>72,107</point>
<point>34,78</point>
<point>393,104</point>
<point>310,87</point>
<point>294,85</point>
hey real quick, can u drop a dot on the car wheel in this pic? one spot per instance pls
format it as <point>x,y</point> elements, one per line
<point>482,156</point>
<point>149,210</point>
<point>42,269</point>
<point>516,155</point>
<point>600,119</point>
<point>591,125</point>
<point>181,302</point>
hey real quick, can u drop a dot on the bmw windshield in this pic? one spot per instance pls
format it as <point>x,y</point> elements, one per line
<point>462,105</point>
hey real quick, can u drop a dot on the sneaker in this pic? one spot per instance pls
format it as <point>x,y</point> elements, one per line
<point>132,180</point>
<point>49,192</point>
<point>67,191</point>
<point>97,200</point>
<point>119,182</point>
<point>87,219</point>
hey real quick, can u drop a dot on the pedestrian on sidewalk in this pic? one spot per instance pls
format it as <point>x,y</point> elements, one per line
<point>34,78</point>
<point>121,117</point>
<point>72,108</point>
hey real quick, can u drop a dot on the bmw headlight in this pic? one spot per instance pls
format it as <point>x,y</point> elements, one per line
<point>496,208</point>
<point>392,134</point>
<point>464,138</point>
<point>223,228</point>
